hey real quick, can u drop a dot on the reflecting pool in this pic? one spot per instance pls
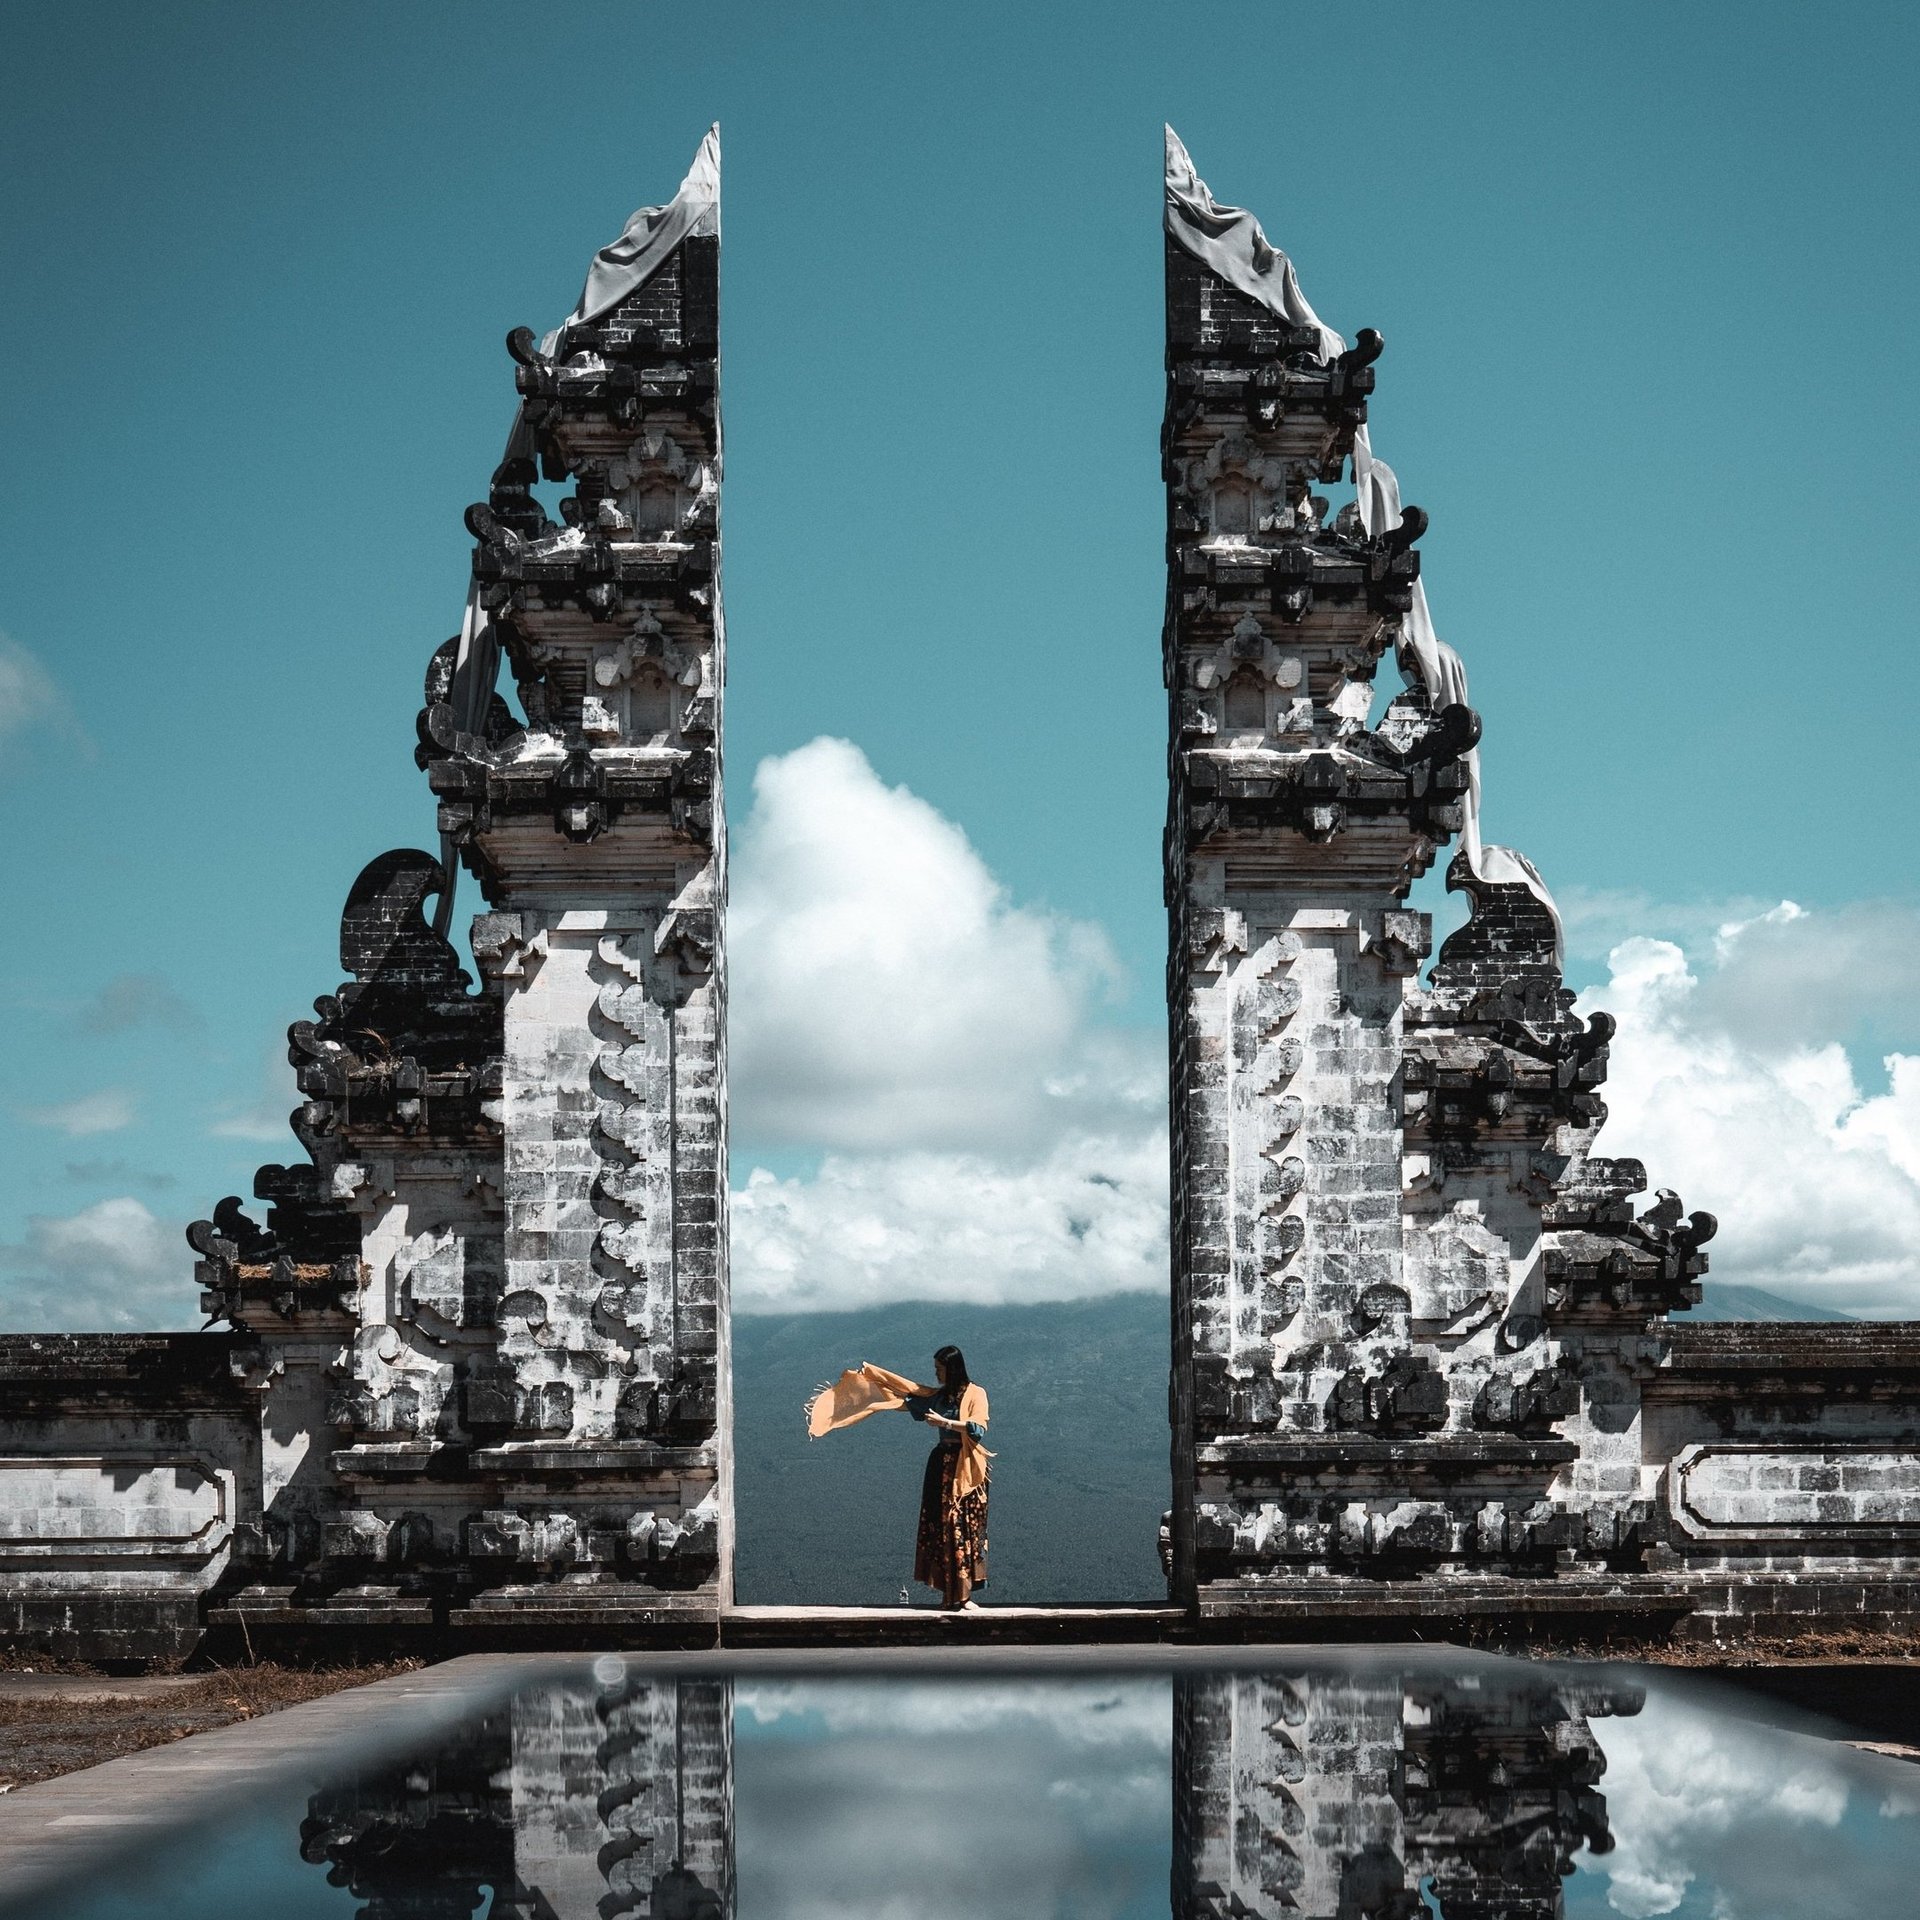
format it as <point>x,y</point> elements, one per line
<point>1355,1786</point>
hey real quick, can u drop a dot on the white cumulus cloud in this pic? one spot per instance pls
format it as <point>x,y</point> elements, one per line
<point>1725,1078</point>
<point>1725,1816</point>
<point>109,1267</point>
<point>30,697</point>
<point>986,1137</point>
<point>892,1801</point>
<point>104,1112</point>
<point>1089,1218</point>
<point>885,991</point>
<point>1103,1712</point>
<point>26,688</point>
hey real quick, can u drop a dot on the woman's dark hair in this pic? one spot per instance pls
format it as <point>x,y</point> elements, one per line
<point>955,1363</point>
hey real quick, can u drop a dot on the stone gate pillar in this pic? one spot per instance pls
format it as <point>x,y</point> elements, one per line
<point>598,835</point>
<point>493,1305</point>
<point>1294,830</point>
<point>1413,1313</point>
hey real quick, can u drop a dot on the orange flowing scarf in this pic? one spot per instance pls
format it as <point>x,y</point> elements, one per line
<point>863,1391</point>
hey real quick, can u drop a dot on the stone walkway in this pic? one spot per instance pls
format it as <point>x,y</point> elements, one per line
<point>932,1626</point>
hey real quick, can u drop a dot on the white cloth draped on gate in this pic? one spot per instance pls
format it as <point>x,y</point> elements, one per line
<point>476,666</point>
<point>619,268</point>
<point>1440,669</point>
<point>1229,240</point>
<point>624,265</point>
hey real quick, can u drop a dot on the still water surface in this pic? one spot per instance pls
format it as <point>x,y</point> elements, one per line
<point>1355,1787</point>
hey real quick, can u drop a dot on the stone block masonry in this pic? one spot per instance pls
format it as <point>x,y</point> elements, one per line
<point>1425,1353</point>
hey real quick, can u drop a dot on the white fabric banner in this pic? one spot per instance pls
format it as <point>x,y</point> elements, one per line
<point>1229,240</point>
<point>623,266</point>
<point>476,667</point>
<point>1444,675</point>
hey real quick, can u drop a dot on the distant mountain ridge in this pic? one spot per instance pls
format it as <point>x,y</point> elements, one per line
<point>1730,1300</point>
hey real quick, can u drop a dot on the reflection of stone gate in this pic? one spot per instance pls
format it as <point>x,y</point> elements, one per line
<point>476,1377</point>
<point>1350,1790</point>
<point>1329,1790</point>
<point>580,1800</point>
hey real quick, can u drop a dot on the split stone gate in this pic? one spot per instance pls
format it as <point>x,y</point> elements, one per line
<point>473,1375</point>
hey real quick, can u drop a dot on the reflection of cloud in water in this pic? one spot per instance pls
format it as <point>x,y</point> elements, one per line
<point>894,1802</point>
<point>1088,1713</point>
<point>1726,1820</point>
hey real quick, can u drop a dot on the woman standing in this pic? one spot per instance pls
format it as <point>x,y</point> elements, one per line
<point>950,1549</point>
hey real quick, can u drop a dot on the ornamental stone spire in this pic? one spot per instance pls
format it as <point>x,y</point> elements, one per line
<point>502,1271</point>
<point>1412,1310</point>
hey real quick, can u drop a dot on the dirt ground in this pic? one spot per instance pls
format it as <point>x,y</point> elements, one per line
<point>1807,1649</point>
<point>58,1722</point>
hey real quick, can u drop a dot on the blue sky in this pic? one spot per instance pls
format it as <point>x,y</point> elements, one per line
<point>1646,277</point>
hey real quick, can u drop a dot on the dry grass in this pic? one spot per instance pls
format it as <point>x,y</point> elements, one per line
<point>1802,1649</point>
<point>40,1738</point>
<point>1537,1641</point>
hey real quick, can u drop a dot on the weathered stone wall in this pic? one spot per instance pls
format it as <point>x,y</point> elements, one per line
<point>129,1486</point>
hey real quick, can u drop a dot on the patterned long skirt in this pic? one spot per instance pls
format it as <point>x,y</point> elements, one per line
<point>953,1532</point>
